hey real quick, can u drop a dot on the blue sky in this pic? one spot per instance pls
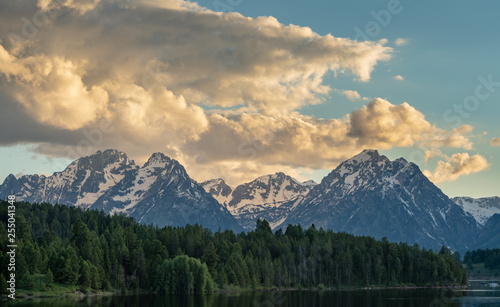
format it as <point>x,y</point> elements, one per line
<point>440,52</point>
<point>449,47</point>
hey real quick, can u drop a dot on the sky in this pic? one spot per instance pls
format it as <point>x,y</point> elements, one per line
<point>237,88</point>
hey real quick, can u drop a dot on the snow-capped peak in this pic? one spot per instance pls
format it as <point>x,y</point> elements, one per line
<point>365,155</point>
<point>157,160</point>
<point>112,155</point>
<point>213,183</point>
<point>309,183</point>
<point>260,198</point>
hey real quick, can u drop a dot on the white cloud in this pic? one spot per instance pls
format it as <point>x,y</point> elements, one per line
<point>80,6</point>
<point>381,124</point>
<point>204,57</point>
<point>149,67</point>
<point>457,165</point>
<point>350,94</point>
<point>251,144</point>
<point>399,78</point>
<point>254,140</point>
<point>52,91</point>
<point>401,42</point>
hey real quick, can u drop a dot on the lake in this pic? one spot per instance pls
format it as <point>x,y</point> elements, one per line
<point>358,298</point>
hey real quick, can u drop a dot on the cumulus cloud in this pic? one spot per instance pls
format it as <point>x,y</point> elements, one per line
<point>399,78</point>
<point>220,59</point>
<point>401,42</point>
<point>80,6</point>
<point>253,140</point>
<point>495,142</point>
<point>381,124</point>
<point>239,147</point>
<point>457,165</point>
<point>150,66</point>
<point>350,94</point>
<point>139,76</point>
<point>52,90</point>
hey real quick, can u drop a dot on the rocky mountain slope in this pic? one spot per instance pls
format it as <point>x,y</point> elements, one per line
<point>261,198</point>
<point>482,209</point>
<point>489,237</point>
<point>160,192</point>
<point>365,195</point>
<point>371,195</point>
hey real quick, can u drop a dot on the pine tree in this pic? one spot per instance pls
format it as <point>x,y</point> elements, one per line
<point>210,257</point>
<point>3,285</point>
<point>95,278</point>
<point>27,282</point>
<point>85,275</point>
<point>93,250</point>
<point>49,278</point>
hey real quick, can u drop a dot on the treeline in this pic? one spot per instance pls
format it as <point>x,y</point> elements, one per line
<point>92,250</point>
<point>490,258</point>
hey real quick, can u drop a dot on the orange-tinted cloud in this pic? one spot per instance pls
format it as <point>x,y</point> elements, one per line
<point>152,68</point>
<point>457,165</point>
<point>495,142</point>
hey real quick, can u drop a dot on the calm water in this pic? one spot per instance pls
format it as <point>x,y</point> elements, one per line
<point>362,298</point>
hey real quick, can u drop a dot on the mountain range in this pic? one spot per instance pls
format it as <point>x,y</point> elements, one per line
<point>365,195</point>
<point>159,192</point>
<point>267,197</point>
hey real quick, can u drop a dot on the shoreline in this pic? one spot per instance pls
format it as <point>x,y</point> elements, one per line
<point>81,295</point>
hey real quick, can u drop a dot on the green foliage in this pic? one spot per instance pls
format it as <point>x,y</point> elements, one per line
<point>49,279</point>
<point>490,258</point>
<point>3,285</point>
<point>183,275</point>
<point>91,250</point>
<point>27,282</point>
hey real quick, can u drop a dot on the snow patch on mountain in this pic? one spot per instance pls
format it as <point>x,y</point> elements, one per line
<point>260,198</point>
<point>372,195</point>
<point>309,183</point>
<point>482,209</point>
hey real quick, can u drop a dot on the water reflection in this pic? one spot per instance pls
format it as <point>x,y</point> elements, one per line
<point>375,298</point>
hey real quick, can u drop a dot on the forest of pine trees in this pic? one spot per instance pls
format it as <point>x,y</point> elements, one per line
<point>95,251</point>
<point>490,258</point>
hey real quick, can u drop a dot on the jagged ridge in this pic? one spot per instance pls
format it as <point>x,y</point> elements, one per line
<point>160,192</point>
